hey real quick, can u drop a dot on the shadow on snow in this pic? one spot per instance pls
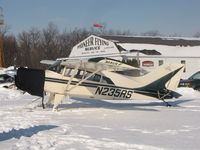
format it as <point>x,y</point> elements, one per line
<point>87,103</point>
<point>24,132</point>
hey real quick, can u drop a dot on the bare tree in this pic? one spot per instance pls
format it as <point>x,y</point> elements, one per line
<point>49,41</point>
<point>29,47</point>
<point>10,49</point>
<point>34,45</point>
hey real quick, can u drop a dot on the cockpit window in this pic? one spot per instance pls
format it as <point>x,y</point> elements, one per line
<point>98,78</point>
<point>68,72</point>
<point>81,74</point>
<point>55,67</point>
<point>94,77</point>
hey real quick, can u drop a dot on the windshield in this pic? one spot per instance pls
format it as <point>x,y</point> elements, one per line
<point>195,76</point>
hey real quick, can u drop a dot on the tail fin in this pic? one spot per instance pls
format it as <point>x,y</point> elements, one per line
<point>163,87</point>
<point>159,76</point>
<point>166,76</point>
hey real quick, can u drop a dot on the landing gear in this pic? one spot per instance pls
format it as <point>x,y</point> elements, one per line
<point>57,101</point>
<point>163,96</point>
<point>167,104</point>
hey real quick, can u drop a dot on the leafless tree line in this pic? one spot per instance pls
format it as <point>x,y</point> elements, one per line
<point>28,48</point>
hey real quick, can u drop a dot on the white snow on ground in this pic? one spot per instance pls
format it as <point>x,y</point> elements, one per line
<point>3,70</point>
<point>94,125</point>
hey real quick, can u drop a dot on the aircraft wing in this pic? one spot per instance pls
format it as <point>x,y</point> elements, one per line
<point>93,66</point>
<point>48,62</point>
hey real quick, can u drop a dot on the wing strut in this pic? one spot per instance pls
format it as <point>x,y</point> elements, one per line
<point>71,78</point>
<point>82,80</point>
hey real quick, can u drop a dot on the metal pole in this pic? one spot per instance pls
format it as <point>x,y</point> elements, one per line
<point>1,39</point>
<point>1,52</point>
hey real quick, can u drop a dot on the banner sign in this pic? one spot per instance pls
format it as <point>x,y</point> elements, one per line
<point>93,45</point>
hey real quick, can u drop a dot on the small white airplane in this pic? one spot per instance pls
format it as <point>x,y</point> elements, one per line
<point>87,73</point>
<point>99,78</point>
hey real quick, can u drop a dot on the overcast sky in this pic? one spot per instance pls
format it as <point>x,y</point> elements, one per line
<point>138,16</point>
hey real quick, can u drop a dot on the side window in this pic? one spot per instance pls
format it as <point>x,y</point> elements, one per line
<point>55,67</point>
<point>68,72</point>
<point>61,69</point>
<point>184,63</point>
<point>106,80</point>
<point>87,74</point>
<point>196,76</point>
<point>94,77</point>
<point>79,74</point>
<point>160,62</point>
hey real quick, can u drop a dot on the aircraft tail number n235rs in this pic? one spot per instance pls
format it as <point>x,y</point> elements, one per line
<point>115,92</point>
